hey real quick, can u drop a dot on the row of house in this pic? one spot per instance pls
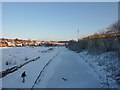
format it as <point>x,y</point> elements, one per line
<point>17,42</point>
<point>20,43</point>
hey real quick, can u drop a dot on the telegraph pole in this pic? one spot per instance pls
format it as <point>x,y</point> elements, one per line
<point>78,35</point>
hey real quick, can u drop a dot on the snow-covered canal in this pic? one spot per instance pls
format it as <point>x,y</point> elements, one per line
<point>56,68</point>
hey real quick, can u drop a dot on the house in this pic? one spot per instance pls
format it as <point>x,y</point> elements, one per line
<point>24,44</point>
<point>3,44</point>
<point>19,44</point>
<point>10,44</point>
<point>38,43</point>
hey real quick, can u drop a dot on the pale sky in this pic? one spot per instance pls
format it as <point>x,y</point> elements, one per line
<point>56,20</point>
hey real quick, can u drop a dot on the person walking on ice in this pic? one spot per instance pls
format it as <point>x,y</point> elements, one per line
<point>23,76</point>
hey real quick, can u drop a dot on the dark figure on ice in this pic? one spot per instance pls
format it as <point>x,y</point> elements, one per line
<point>23,76</point>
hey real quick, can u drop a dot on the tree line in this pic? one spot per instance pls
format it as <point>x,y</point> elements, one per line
<point>103,41</point>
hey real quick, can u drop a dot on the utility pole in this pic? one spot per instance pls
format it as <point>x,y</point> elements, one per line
<point>78,35</point>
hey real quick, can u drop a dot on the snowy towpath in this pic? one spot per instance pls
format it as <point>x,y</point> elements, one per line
<point>66,70</point>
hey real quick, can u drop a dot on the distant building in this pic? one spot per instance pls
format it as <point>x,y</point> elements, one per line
<point>3,44</point>
<point>19,44</point>
<point>10,44</point>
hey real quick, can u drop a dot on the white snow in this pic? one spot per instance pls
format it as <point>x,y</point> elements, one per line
<point>103,66</point>
<point>65,64</point>
<point>18,55</point>
<point>32,69</point>
<point>68,65</point>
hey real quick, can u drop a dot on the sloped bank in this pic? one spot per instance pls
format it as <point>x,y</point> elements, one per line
<point>105,66</point>
<point>15,68</point>
<point>98,46</point>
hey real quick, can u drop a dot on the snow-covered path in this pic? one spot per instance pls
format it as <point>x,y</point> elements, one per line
<point>66,70</point>
<point>68,65</point>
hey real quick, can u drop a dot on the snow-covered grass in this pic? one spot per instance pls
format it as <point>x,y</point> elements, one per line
<point>105,66</point>
<point>15,56</point>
